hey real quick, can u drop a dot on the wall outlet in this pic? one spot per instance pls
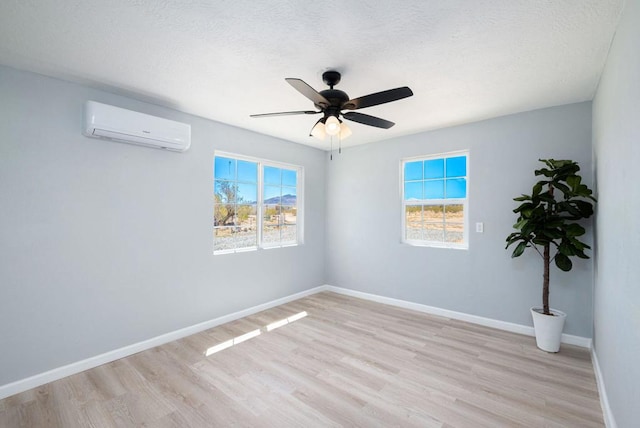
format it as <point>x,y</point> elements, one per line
<point>479,227</point>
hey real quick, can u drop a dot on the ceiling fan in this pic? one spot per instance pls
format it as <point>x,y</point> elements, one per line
<point>331,102</point>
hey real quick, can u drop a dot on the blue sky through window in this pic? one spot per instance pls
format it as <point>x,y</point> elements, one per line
<point>434,168</point>
<point>247,193</point>
<point>413,171</point>
<point>441,178</point>
<point>457,188</point>
<point>225,168</point>
<point>247,171</point>
<point>457,167</point>
<point>272,175</point>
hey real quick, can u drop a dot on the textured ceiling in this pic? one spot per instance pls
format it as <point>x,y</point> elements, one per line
<point>465,60</point>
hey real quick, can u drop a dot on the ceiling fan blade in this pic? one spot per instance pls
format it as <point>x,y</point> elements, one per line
<point>378,98</point>
<point>368,120</point>
<point>285,113</point>
<point>306,90</point>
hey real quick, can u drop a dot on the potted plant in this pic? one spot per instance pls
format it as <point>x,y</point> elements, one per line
<point>548,222</point>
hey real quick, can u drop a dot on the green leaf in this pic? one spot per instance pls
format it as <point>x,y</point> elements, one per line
<point>537,188</point>
<point>521,224</point>
<point>545,172</point>
<point>557,164</point>
<point>562,187</point>
<point>578,244</point>
<point>522,207</point>
<point>566,248</point>
<point>582,190</point>
<point>563,262</point>
<point>513,238</point>
<point>574,229</point>
<point>574,181</point>
<point>519,249</point>
<point>585,208</point>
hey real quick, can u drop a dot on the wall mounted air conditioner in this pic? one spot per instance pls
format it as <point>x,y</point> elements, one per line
<point>126,126</point>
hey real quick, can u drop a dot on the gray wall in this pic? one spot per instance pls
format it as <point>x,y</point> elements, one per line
<point>616,139</point>
<point>103,244</point>
<point>364,252</point>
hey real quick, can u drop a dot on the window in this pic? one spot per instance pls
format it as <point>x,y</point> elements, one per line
<point>434,200</point>
<point>256,204</point>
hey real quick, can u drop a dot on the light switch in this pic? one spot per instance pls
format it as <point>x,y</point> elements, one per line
<point>479,227</point>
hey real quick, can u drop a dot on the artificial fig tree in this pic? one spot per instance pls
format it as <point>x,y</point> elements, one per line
<point>548,219</point>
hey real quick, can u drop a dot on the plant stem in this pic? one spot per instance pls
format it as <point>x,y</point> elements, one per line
<point>545,281</point>
<point>546,257</point>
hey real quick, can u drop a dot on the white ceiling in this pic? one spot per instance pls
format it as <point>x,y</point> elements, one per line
<point>465,60</point>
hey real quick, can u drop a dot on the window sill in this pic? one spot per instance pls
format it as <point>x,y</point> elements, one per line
<point>247,250</point>
<point>436,245</point>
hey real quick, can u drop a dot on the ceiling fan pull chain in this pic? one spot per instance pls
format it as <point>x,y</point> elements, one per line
<point>331,138</point>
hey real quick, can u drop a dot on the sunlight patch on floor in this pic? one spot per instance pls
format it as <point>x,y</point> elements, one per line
<point>254,333</point>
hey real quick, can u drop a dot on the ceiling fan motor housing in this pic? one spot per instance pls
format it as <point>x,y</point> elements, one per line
<point>335,97</point>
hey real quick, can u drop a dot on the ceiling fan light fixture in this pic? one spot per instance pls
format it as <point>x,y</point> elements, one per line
<point>318,130</point>
<point>332,126</point>
<point>345,131</point>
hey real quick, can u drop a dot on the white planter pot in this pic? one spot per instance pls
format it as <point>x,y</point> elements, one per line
<point>548,328</point>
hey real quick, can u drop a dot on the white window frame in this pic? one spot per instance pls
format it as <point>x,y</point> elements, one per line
<point>260,202</point>
<point>458,201</point>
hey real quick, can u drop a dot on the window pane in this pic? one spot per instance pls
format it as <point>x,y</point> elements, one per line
<point>271,234</point>
<point>235,237</point>
<point>433,213</point>
<point>225,168</point>
<point>225,191</point>
<point>223,214</point>
<point>413,190</point>
<point>413,171</point>
<point>457,188</point>
<point>454,232</point>
<point>271,215</point>
<point>272,175</point>
<point>289,195</point>
<point>245,237</point>
<point>223,239</point>
<point>289,215</point>
<point>454,226</point>
<point>454,213</point>
<point>289,234</point>
<point>247,171</point>
<point>434,168</point>
<point>246,216</point>
<point>289,177</point>
<point>413,222</point>
<point>247,193</point>
<point>434,189</point>
<point>272,194</point>
<point>434,232</point>
<point>457,167</point>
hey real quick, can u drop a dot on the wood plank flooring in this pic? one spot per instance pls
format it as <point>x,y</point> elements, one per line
<point>348,362</point>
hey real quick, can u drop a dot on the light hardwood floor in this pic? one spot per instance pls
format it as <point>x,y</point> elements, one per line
<point>349,362</point>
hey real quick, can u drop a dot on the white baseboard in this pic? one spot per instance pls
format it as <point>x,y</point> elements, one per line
<point>609,420</point>
<point>89,363</point>
<point>569,339</point>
